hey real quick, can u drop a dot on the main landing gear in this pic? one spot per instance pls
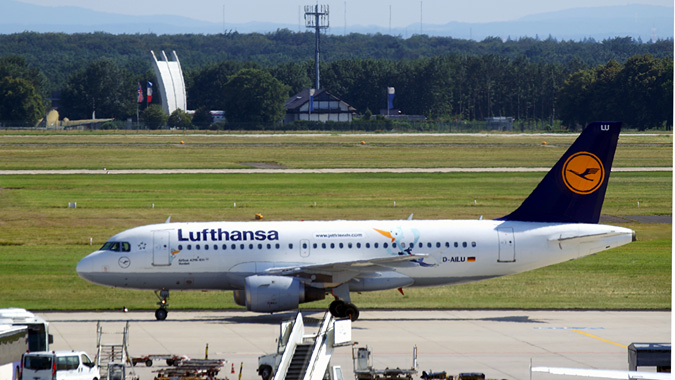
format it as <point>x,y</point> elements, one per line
<point>161,313</point>
<point>340,309</point>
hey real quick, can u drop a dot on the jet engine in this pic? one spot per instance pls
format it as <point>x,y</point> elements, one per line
<point>267,294</point>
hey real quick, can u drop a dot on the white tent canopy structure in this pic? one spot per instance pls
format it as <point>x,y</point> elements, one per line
<point>171,82</point>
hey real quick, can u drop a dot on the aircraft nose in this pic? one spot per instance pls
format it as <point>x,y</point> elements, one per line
<point>85,268</point>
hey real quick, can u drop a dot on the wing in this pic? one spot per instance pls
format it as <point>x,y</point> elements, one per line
<point>603,373</point>
<point>339,272</point>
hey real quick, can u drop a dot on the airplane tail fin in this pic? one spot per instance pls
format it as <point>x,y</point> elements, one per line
<point>574,189</point>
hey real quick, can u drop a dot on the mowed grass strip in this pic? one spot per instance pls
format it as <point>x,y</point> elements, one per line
<point>41,239</point>
<point>150,151</point>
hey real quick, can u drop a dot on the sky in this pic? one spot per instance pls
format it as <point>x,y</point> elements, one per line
<point>366,12</point>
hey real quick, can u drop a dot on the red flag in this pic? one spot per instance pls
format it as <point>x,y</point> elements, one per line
<point>140,93</point>
<point>149,92</point>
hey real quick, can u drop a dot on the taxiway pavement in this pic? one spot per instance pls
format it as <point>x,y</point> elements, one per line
<point>498,343</point>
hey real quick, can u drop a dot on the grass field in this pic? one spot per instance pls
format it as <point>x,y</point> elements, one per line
<point>41,239</point>
<point>95,151</point>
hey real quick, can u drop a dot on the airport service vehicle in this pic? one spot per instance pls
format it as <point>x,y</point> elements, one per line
<point>275,266</point>
<point>364,370</point>
<point>58,365</point>
<point>171,360</point>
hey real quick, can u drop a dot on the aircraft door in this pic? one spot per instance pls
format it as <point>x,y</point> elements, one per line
<point>160,252</point>
<point>304,248</point>
<point>507,245</point>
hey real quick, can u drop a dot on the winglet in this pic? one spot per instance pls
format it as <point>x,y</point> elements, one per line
<point>574,189</point>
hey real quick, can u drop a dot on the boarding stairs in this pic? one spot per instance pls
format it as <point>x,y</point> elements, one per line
<point>307,356</point>
<point>111,350</point>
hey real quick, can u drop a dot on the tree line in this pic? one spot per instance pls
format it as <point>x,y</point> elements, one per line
<point>530,80</point>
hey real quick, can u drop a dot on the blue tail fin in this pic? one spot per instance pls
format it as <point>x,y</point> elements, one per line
<point>573,191</point>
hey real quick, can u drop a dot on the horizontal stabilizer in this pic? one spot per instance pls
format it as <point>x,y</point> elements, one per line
<point>580,238</point>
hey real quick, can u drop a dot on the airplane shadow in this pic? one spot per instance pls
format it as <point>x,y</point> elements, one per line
<point>311,318</point>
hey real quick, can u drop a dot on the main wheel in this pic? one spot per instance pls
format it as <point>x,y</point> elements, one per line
<point>336,308</point>
<point>161,314</point>
<point>351,311</point>
<point>148,363</point>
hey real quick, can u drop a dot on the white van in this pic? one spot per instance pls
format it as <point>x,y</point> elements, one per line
<point>58,365</point>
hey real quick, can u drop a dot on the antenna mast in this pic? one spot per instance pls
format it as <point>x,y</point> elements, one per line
<point>316,16</point>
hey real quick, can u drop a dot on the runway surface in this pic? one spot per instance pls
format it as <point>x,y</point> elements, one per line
<point>498,343</point>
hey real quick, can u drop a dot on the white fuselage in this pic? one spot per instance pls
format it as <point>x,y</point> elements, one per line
<point>220,255</point>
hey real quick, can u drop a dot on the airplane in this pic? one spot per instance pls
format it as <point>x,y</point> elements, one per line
<point>604,373</point>
<point>274,266</point>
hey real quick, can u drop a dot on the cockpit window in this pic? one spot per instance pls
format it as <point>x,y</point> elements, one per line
<point>116,246</point>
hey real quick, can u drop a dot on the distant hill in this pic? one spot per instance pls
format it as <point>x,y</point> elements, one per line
<point>641,22</point>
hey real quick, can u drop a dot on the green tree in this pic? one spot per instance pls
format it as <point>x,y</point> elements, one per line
<point>154,117</point>
<point>18,67</point>
<point>254,95</point>
<point>102,87</point>
<point>19,101</point>
<point>202,118</point>
<point>574,99</point>
<point>206,86</point>
<point>178,119</point>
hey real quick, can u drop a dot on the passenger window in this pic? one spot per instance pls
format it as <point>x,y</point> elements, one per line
<point>421,245</point>
<point>323,245</point>
<point>269,246</point>
<point>473,244</point>
<point>234,246</point>
<point>464,244</point>
<point>224,247</point>
<point>290,246</point>
<point>189,247</point>
<point>428,245</point>
<point>198,247</point>
<point>332,245</point>
<point>250,246</point>
<point>314,245</point>
<point>358,245</point>
<point>456,245</point>
<point>242,246</point>
<point>393,245</point>
<point>385,245</point>
<point>376,245</point>
<point>180,247</point>
<point>304,245</point>
<point>277,246</point>
<point>259,246</point>
<point>447,244</point>
<point>341,245</point>
<point>206,247</point>
<point>438,245</point>
<point>349,245</point>
<point>367,245</point>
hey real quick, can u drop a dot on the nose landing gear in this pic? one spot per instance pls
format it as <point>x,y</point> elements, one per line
<point>161,313</point>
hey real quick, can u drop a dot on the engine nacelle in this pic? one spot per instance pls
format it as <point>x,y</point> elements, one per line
<point>268,294</point>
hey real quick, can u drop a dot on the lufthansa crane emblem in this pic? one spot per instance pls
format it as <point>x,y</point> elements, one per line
<point>583,173</point>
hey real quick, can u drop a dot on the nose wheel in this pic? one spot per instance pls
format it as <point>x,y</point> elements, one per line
<point>161,313</point>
